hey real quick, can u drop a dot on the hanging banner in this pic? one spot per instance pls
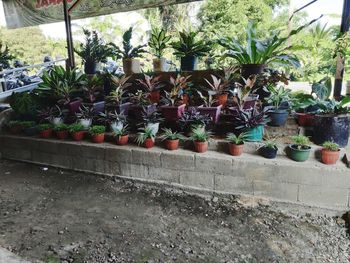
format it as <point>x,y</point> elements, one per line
<point>23,13</point>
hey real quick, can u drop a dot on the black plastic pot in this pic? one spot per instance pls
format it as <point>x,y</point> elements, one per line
<point>278,117</point>
<point>251,69</point>
<point>90,68</point>
<point>267,152</point>
<point>332,128</point>
<point>188,63</point>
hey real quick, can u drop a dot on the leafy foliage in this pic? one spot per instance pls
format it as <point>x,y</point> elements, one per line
<point>143,134</point>
<point>193,118</point>
<point>118,94</point>
<point>23,103</point>
<point>246,119</point>
<point>5,55</point>
<point>61,127</point>
<point>270,144</point>
<point>168,134</point>
<point>189,45</point>
<point>301,141</point>
<point>150,83</point>
<point>128,50</point>
<point>278,95</point>
<point>199,134</point>
<point>330,146</point>
<point>323,88</point>
<point>121,132</point>
<point>45,126</point>
<point>85,113</point>
<point>76,127</point>
<point>97,129</point>
<point>159,41</point>
<point>179,84</point>
<point>234,139</point>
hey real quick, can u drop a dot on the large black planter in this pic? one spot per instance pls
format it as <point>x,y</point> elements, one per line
<point>251,69</point>
<point>90,68</point>
<point>332,128</point>
<point>278,118</point>
<point>188,63</point>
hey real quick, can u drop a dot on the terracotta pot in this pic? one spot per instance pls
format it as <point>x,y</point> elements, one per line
<point>200,147</point>
<point>154,96</point>
<point>222,99</point>
<point>305,119</point>
<point>78,136</point>
<point>236,149</point>
<point>46,133</point>
<point>98,138</point>
<point>149,143</point>
<point>329,157</point>
<point>171,144</point>
<point>122,140</point>
<point>62,134</point>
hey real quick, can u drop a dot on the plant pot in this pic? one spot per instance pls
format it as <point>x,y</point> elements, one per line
<point>122,108</point>
<point>268,152</point>
<point>305,119</point>
<point>255,134</point>
<point>213,112</point>
<point>137,112</point>
<point>189,63</point>
<point>86,123</point>
<point>30,131</point>
<point>148,143</point>
<point>173,113</point>
<point>90,68</point>
<point>98,107</point>
<point>172,144</point>
<point>298,155</point>
<point>236,149</point>
<point>251,69</point>
<point>329,157</point>
<point>160,65</point>
<point>200,147</point>
<point>78,136</point>
<point>62,135</point>
<point>331,128</point>
<point>57,121</point>
<point>278,117</point>
<point>98,138</point>
<point>154,96</point>
<point>46,134</point>
<point>131,66</point>
<point>222,99</point>
<point>74,106</point>
<point>122,140</point>
<point>154,127</point>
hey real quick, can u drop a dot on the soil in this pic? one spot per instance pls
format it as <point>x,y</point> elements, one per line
<point>53,216</point>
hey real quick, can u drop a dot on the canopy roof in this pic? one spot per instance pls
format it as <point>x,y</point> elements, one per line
<point>22,13</point>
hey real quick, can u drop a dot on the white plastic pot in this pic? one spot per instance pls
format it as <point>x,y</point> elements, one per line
<point>154,127</point>
<point>117,126</point>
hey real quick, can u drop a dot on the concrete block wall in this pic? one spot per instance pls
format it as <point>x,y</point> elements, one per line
<point>311,183</point>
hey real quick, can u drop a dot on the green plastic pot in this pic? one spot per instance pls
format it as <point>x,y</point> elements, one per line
<point>255,134</point>
<point>298,155</point>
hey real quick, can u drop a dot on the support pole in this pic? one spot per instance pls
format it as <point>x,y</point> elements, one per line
<point>344,27</point>
<point>70,48</point>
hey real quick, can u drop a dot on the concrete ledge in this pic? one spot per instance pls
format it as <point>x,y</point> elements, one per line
<point>309,183</point>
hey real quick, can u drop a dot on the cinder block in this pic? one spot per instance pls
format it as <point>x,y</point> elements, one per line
<point>178,160</point>
<point>133,170</point>
<point>146,157</point>
<point>281,191</point>
<point>197,179</point>
<point>161,174</point>
<point>211,163</point>
<point>323,196</point>
<point>121,154</point>
<point>252,170</point>
<point>233,184</point>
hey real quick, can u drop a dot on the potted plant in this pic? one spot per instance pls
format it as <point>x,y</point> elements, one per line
<point>171,139</point>
<point>219,89</point>
<point>158,42</point>
<point>278,112</point>
<point>173,100</point>
<point>94,51</point>
<point>61,131</point>
<point>252,123</point>
<point>236,143</point>
<point>85,116</point>
<point>45,130</point>
<point>153,121</point>
<point>151,85</point>
<point>116,101</point>
<point>113,119</point>
<point>188,48</point>
<point>24,105</point>
<point>192,118</point>
<point>305,107</point>
<point>142,105</point>
<point>200,138</point>
<point>77,131</point>
<point>269,150</point>
<point>121,135</point>
<point>97,133</point>
<point>146,137</point>
<point>210,107</point>
<point>129,54</point>
<point>94,94</point>
<point>15,127</point>
<point>330,152</point>
<point>29,128</point>
<point>300,149</point>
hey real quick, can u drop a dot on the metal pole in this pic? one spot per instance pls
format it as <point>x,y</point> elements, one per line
<point>344,27</point>
<point>70,48</point>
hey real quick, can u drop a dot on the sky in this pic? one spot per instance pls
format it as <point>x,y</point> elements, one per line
<point>325,7</point>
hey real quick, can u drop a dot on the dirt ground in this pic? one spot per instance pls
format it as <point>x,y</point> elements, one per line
<point>59,216</point>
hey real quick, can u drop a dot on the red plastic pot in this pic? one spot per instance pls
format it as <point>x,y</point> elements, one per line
<point>222,99</point>
<point>122,140</point>
<point>236,149</point>
<point>149,143</point>
<point>154,96</point>
<point>171,144</point>
<point>329,157</point>
<point>305,119</point>
<point>78,136</point>
<point>173,113</point>
<point>200,147</point>
<point>46,133</point>
<point>62,134</point>
<point>98,138</point>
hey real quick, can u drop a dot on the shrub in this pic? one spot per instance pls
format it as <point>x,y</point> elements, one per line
<point>61,127</point>
<point>234,139</point>
<point>97,129</point>
<point>76,127</point>
<point>330,146</point>
<point>301,141</point>
<point>45,126</point>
